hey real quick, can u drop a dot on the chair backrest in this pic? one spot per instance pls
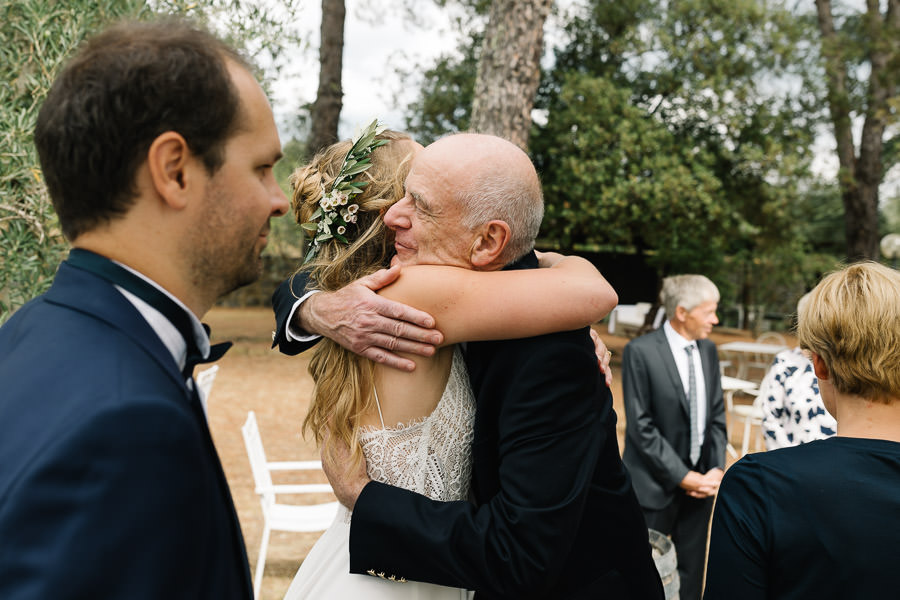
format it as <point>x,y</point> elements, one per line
<point>257,455</point>
<point>771,337</point>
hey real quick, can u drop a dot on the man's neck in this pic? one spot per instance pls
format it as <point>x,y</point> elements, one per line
<point>148,263</point>
<point>680,330</point>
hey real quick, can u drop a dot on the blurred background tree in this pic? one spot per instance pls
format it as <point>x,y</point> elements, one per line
<point>36,37</point>
<point>675,136</point>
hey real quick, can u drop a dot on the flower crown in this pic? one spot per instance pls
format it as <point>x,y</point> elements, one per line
<point>336,210</point>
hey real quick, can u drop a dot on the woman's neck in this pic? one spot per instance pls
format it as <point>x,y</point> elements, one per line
<point>861,418</point>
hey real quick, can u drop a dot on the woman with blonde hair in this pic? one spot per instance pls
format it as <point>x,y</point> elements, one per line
<point>820,520</point>
<point>413,429</point>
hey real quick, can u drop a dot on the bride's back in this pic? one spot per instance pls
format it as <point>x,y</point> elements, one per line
<point>406,396</point>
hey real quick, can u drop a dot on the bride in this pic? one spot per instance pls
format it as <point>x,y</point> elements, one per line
<point>413,429</point>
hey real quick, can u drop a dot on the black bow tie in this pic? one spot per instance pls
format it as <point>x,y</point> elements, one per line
<point>105,268</point>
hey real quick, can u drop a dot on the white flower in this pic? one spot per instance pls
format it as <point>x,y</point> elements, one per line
<point>353,208</point>
<point>351,219</point>
<point>341,198</point>
<point>341,230</point>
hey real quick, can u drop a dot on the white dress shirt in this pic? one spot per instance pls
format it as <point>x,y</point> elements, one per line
<point>677,343</point>
<point>168,333</point>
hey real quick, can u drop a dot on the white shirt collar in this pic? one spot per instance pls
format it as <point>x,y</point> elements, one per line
<point>676,340</point>
<point>168,333</point>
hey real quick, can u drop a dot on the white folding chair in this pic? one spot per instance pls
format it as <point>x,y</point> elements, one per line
<point>750,415</point>
<point>278,516</point>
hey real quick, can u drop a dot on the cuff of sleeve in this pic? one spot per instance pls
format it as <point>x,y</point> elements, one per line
<point>299,335</point>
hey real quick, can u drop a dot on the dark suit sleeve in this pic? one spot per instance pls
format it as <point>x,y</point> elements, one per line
<point>105,514</point>
<point>290,290</point>
<point>657,454</point>
<point>548,434</point>
<point>715,429</point>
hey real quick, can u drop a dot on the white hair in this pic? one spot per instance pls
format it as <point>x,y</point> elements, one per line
<point>687,291</point>
<point>505,197</point>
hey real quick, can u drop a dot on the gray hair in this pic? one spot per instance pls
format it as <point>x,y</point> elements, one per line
<point>688,291</point>
<point>506,197</point>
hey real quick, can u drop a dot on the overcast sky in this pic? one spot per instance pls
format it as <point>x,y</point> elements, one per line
<point>373,47</point>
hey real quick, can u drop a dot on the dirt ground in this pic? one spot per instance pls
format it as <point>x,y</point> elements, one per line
<point>277,388</point>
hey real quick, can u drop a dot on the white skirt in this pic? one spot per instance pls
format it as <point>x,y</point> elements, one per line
<point>325,574</point>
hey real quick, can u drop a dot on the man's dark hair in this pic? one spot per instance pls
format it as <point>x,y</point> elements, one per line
<point>125,87</point>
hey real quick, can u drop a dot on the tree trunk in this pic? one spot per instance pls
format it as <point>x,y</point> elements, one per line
<point>509,70</point>
<point>326,110</point>
<point>860,175</point>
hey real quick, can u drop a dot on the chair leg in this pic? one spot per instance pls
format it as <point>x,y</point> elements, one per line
<point>261,562</point>
<point>745,441</point>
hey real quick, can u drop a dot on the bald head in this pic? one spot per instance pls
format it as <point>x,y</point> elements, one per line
<point>492,179</point>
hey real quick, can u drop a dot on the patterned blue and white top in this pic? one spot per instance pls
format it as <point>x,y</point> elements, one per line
<point>793,412</point>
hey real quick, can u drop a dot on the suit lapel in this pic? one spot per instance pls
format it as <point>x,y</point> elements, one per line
<point>89,294</point>
<point>668,362</point>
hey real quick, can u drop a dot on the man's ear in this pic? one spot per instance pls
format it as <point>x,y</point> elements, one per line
<point>681,314</point>
<point>820,368</point>
<point>169,161</point>
<point>490,243</point>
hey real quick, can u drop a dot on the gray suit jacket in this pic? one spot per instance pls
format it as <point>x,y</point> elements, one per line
<point>657,429</point>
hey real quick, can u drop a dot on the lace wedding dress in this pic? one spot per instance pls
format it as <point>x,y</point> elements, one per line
<point>431,456</point>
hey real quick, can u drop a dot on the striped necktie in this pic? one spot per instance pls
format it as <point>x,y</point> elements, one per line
<point>692,403</point>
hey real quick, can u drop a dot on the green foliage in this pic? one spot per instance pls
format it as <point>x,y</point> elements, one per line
<point>263,30</point>
<point>616,177</point>
<point>35,38</point>
<point>286,238</point>
<point>682,129</point>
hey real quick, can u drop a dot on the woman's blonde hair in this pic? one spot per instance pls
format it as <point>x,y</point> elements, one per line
<point>343,380</point>
<point>852,321</point>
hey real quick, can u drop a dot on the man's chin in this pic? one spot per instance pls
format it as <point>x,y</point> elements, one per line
<point>404,258</point>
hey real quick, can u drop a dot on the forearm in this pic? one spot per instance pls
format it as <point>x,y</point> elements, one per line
<point>594,290</point>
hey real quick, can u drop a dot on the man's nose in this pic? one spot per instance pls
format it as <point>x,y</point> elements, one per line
<point>280,204</point>
<point>396,217</point>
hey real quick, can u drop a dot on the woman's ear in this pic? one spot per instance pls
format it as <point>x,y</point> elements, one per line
<point>168,161</point>
<point>820,368</point>
<point>489,245</point>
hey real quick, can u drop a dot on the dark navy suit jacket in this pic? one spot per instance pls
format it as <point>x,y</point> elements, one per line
<point>554,516</point>
<point>110,486</point>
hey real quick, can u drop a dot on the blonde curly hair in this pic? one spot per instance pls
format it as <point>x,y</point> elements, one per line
<point>343,380</point>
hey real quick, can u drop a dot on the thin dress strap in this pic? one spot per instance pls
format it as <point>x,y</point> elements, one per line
<point>378,404</point>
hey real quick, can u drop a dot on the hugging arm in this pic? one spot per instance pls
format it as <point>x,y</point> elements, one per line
<point>356,318</point>
<point>474,305</point>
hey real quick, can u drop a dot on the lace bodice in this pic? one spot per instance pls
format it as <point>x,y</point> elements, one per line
<point>433,455</point>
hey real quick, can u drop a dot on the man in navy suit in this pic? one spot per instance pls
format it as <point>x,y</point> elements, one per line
<point>554,514</point>
<point>157,146</point>
<point>675,422</point>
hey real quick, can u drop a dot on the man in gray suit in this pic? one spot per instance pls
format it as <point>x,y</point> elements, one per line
<point>675,422</point>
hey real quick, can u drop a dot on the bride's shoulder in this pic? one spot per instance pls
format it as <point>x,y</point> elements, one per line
<point>425,281</point>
